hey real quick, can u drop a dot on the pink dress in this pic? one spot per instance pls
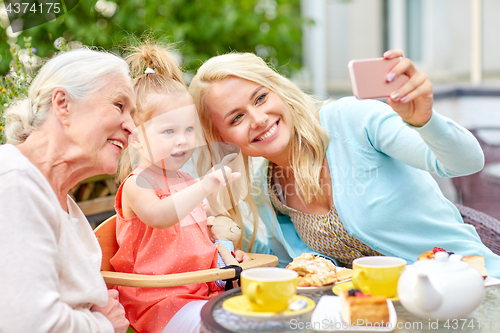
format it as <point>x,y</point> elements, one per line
<point>184,247</point>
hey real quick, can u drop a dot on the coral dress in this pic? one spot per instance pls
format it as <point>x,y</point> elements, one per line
<point>183,247</point>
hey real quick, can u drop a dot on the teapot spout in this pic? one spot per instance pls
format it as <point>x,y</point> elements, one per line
<point>427,297</point>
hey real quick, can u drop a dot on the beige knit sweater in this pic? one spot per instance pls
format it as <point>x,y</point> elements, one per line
<point>50,260</point>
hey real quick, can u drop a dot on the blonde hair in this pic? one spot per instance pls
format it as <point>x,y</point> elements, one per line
<point>309,140</point>
<point>167,80</point>
<point>80,73</point>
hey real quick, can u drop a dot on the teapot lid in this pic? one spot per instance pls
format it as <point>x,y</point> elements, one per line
<point>443,262</point>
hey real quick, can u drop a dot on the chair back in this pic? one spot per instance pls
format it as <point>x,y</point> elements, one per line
<point>106,236</point>
<point>487,227</point>
<point>473,190</point>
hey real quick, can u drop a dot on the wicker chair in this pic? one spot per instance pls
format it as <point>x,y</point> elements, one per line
<point>475,191</point>
<point>487,227</point>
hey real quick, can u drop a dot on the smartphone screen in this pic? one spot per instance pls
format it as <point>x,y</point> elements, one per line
<point>369,77</point>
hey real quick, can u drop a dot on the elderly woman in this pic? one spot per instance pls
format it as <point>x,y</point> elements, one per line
<point>73,125</point>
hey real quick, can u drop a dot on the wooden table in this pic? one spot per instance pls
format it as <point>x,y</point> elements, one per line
<point>485,319</point>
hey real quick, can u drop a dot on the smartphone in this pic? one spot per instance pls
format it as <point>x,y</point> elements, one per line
<point>369,77</point>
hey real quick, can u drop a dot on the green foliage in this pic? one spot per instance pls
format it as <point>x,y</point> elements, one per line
<point>16,82</point>
<point>201,28</point>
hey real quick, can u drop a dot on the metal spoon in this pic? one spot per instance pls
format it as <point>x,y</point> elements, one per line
<point>297,305</point>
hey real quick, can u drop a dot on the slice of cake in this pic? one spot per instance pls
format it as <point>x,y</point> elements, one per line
<point>476,262</point>
<point>358,309</point>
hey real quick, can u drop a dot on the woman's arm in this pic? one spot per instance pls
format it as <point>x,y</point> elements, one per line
<point>452,150</point>
<point>440,146</point>
<point>164,213</point>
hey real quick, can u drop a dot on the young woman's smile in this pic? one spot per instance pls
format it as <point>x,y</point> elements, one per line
<point>268,134</point>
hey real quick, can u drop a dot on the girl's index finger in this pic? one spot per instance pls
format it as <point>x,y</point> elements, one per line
<point>227,159</point>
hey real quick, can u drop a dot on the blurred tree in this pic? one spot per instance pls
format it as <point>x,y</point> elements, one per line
<point>201,28</point>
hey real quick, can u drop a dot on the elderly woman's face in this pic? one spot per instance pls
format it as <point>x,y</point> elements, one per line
<point>102,123</point>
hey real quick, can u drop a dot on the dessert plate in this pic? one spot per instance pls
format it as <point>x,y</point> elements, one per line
<point>309,290</point>
<point>240,306</point>
<point>491,281</point>
<point>339,287</point>
<point>326,317</point>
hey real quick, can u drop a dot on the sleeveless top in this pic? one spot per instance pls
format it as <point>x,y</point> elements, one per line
<point>183,247</point>
<point>322,233</point>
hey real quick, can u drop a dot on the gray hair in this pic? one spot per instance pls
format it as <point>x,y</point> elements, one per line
<point>80,72</point>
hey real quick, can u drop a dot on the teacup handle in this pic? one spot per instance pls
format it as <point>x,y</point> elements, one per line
<point>251,292</point>
<point>359,277</point>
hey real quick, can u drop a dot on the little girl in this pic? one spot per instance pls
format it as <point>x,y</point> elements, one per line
<point>161,224</point>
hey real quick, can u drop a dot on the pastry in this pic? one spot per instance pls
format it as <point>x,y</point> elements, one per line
<point>426,255</point>
<point>314,271</point>
<point>476,262</point>
<point>344,274</point>
<point>358,309</point>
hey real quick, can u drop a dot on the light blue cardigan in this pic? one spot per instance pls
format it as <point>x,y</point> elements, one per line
<point>382,189</point>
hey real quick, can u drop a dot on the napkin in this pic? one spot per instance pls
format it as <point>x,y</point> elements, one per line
<point>326,313</point>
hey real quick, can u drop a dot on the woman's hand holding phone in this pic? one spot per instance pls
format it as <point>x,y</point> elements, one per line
<point>413,101</point>
<point>369,77</point>
<point>408,91</point>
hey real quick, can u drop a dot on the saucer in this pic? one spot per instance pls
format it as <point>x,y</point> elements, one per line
<point>339,287</point>
<point>240,306</point>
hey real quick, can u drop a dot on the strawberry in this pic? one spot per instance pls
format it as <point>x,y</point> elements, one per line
<point>352,292</point>
<point>357,293</point>
<point>438,249</point>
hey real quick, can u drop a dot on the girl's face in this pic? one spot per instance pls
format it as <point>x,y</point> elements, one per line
<point>251,116</point>
<point>168,139</point>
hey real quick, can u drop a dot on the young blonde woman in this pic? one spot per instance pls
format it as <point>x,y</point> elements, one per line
<point>348,178</point>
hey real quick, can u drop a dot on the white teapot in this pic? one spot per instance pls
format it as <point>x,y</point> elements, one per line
<point>443,288</point>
